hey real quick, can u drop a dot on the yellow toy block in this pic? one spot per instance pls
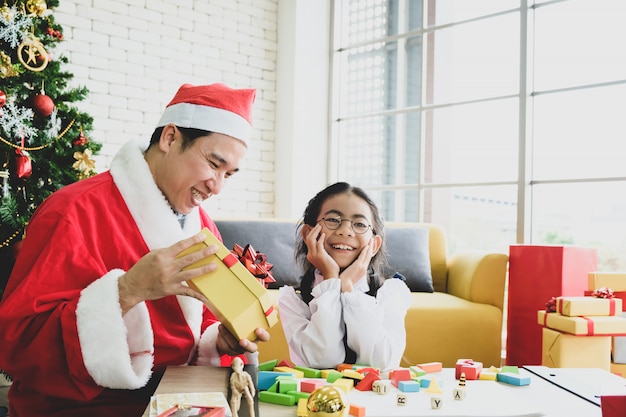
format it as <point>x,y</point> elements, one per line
<point>344,384</point>
<point>488,376</point>
<point>235,296</point>
<point>303,410</point>
<point>352,374</point>
<point>298,374</point>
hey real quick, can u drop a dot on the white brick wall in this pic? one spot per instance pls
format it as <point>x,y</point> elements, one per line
<point>133,55</point>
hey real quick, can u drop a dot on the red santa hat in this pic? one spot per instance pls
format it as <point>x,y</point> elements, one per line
<point>214,108</point>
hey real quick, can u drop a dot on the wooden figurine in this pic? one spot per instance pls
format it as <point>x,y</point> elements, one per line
<point>241,384</point>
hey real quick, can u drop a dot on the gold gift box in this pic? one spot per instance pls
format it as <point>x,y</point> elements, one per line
<point>588,306</point>
<point>235,296</point>
<point>584,326</point>
<point>613,280</point>
<point>560,350</point>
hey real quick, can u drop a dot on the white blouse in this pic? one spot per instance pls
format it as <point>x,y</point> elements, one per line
<point>375,325</point>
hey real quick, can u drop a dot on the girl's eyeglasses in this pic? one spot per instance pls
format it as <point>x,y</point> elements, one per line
<point>334,223</point>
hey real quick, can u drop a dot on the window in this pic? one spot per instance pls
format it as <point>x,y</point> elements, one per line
<point>502,120</point>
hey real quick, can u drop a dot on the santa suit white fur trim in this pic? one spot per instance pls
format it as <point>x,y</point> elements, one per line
<point>117,351</point>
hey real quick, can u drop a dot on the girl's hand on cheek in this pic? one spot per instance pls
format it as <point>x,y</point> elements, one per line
<point>317,254</point>
<point>358,268</point>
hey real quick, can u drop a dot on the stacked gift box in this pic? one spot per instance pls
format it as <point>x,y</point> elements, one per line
<point>616,283</point>
<point>577,334</point>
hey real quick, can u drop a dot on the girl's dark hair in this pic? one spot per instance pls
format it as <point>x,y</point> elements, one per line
<point>189,135</point>
<point>311,213</point>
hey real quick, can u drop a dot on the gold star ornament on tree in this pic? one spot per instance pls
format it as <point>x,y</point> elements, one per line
<point>84,164</point>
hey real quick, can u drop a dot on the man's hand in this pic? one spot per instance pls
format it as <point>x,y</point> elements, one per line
<point>227,344</point>
<point>160,273</point>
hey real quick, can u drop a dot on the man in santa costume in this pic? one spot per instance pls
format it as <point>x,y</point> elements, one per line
<point>97,307</point>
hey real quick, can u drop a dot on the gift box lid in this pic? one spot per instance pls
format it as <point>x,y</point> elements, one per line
<point>234,295</point>
<point>584,326</point>
<point>588,306</point>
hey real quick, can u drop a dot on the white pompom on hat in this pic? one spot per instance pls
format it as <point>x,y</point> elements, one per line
<point>214,108</point>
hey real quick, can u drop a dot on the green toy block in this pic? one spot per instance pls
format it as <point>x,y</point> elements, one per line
<point>510,369</point>
<point>333,376</point>
<point>299,394</point>
<point>309,372</point>
<point>268,365</point>
<point>276,398</point>
<point>286,385</point>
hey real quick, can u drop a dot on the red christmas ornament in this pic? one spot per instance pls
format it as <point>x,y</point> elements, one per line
<point>80,139</point>
<point>23,163</point>
<point>3,98</point>
<point>43,105</point>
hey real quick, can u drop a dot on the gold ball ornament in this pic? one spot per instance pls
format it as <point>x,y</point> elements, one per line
<point>37,7</point>
<point>327,401</point>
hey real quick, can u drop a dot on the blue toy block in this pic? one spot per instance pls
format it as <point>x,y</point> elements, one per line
<point>266,379</point>
<point>408,386</point>
<point>513,379</point>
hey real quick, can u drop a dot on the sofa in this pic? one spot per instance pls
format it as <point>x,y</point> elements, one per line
<point>457,301</point>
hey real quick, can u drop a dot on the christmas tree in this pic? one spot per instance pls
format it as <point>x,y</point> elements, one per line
<point>44,141</point>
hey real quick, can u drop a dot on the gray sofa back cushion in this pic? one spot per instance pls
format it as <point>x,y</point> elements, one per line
<point>407,250</point>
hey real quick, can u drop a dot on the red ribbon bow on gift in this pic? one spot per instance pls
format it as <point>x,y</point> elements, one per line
<point>551,305</point>
<point>255,262</point>
<point>603,293</point>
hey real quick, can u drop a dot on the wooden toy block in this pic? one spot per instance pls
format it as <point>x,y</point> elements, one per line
<point>333,376</point>
<point>303,410</point>
<point>433,387</point>
<point>408,386</point>
<point>366,383</point>
<point>299,394</point>
<point>425,382</point>
<point>417,371</point>
<point>309,372</point>
<point>324,372</point>
<point>436,403</point>
<point>380,387</point>
<point>462,380</point>
<point>397,375</point>
<point>343,366</point>
<point>286,363</point>
<point>310,385</point>
<point>266,379</point>
<point>286,385</point>
<point>276,398</point>
<point>234,295</point>
<point>352,374</point>
<point>458,394</point>
<point>513,379</point>
<point>510,369</point>
<point>431,367</point>
<point>488,376</point>
<point>401,399</point>
<point>494,369</point>
<point>345,384</point>
<point>472,369</point>
<point>367,369</point>
<point>298,374</point>
<point>356,410</point>
<point>268,365</point>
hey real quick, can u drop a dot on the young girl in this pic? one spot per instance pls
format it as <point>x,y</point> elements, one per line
<point>344,312</point>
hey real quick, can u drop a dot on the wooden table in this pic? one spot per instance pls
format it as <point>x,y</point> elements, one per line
<point>554,392</point>
<point>181,379</point>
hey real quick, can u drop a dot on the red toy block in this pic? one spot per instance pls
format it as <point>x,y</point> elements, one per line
<point>431,367</point>
<point>310,385</point>
<point>285,362</point>
<point>471,369</point>
<point>366,383</point>
<point>368,371</point>
<point>357,410</point>
<point>398,375</point>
